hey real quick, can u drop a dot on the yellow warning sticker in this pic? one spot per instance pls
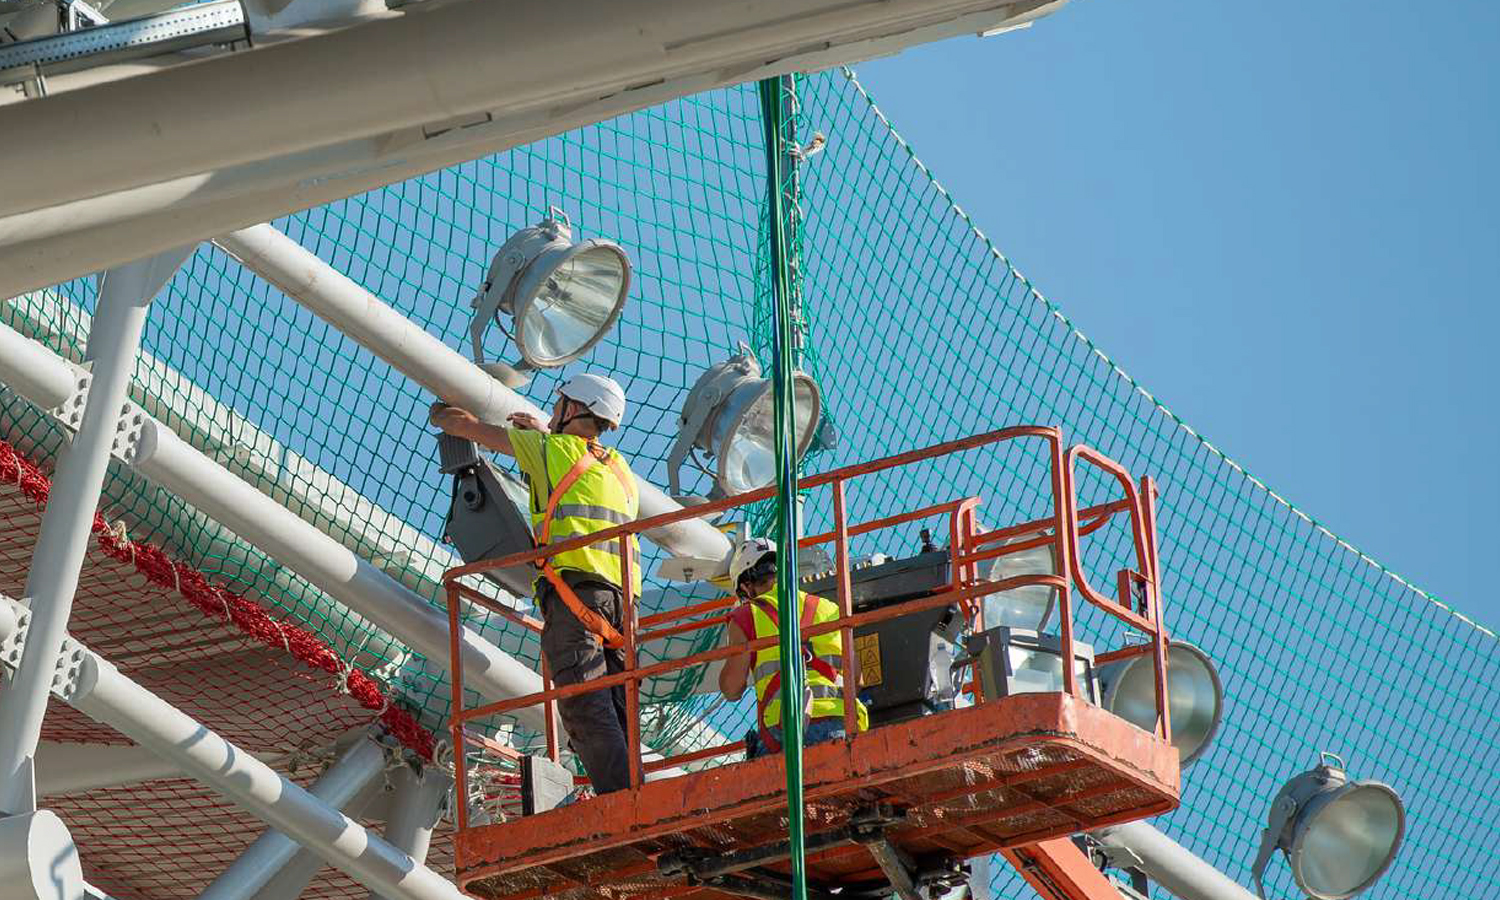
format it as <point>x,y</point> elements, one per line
<point>867,648</point>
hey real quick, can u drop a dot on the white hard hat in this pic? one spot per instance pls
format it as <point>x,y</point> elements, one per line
<point>600,395</point>
<point>749,552</point>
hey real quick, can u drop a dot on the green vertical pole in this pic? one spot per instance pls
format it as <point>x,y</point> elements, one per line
<point>782,343</point>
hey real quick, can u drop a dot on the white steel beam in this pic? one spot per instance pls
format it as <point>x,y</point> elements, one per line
<point>33,372</point>
<point>172,463</point>
<point>68,768</point>
<point>292,879</point>
<point>46,379</point>
<point>408,95</point>
<point>415,804</point>
<point>94,687</point>
<point>237,443</point>
<point>361,764</point>
<point>459,58</point>
<point>52,578</point>
<point>160,455</point>
<point>292,480</point>
<point>411,350</point>
<point>38,860</point>
<point>1172,866</point>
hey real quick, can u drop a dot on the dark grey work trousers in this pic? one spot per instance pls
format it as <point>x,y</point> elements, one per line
<point>595,721</point>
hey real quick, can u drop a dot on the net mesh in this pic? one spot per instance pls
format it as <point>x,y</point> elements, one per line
<point>917,329</point>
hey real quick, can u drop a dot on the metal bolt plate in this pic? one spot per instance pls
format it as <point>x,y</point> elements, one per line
<point>69,662</point>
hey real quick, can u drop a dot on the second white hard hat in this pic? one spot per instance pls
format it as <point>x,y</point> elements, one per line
<point>749,552</point>
<point>602,396</point>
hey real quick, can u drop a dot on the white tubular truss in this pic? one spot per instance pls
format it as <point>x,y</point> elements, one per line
<point>268,854</point>
<point>160,455</point>
<point>237,139</point>
<point>94,687</point>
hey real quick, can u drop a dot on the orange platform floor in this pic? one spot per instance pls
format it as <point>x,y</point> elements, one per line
<point>963,783</point>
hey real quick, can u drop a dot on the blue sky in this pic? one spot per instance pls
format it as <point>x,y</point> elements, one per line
<point>1282,220</point>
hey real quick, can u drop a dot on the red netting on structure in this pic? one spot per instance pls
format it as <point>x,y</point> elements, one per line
<point>270,687</point>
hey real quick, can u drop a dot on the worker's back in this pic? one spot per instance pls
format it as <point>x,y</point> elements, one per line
<point>600,495</point>
<point>823,700</point>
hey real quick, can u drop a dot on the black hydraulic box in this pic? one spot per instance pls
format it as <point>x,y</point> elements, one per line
<point>904,663</point>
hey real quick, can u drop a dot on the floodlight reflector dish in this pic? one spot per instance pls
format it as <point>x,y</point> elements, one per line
<point>1339,836</point>
<point>568,299</point>
<point>747,447</point>
<point>728,416</point>
<point>563,295</point>
<point>1346,841</point>
<point>1195,696</point>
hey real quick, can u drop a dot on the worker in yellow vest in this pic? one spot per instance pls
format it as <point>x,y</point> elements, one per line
<point>752,571</point>
<point>578,487</point>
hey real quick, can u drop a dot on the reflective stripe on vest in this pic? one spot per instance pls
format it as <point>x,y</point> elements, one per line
<point>603,496</point>
<point>826,650</point>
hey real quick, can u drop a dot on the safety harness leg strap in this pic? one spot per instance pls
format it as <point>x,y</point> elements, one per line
<point>590,618</point>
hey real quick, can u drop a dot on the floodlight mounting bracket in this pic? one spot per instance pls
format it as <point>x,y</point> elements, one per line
<point>497,294</point>
<point>1295,794</point>
<point>514,375</point>
<point>1282,811</point>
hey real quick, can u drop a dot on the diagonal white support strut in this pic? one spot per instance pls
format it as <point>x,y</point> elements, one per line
<point>94,687</point>
<point>292,879</point>
<point>1172,866</point>
<point>270,853</point>
<point>169,461</point>
<point>415,805</point>
<point>52,577</point>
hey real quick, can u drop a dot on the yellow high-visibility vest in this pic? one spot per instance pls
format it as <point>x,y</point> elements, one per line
<point>604,496</point>
<point>827,658</point>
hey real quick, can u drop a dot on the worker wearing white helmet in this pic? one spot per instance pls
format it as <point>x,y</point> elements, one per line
<point>578,487</point>
<point>752,571</point>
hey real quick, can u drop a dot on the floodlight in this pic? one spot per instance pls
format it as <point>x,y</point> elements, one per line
<point>1339,836</point>
<point>1195,697</point>
<point>1013,661</point>
<point>562,296</point>
<point>1030,605</point>
<point>728,416</point>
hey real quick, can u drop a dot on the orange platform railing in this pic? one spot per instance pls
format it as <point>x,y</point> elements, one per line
<point>1138,600</point>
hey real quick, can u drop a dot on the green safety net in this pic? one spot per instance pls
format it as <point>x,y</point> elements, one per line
<point>918,331</point>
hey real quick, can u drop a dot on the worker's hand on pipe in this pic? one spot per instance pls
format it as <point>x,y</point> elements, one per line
<point>525,421</point>
<point>453,420</point>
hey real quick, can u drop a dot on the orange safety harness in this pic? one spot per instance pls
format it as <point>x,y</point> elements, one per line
<point>773,686</point>
<point>590,619</point>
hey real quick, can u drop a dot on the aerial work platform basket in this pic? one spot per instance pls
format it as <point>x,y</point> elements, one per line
<point>909,799</point>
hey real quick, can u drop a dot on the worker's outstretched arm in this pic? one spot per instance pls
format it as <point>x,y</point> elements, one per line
<point>736,668</point>
<point>463,423</point>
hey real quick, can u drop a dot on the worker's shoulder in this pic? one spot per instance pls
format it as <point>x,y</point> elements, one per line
<point>571,443</point>
<point>742,619</point>
<point>620,459</point>
<point>817,598</point>
<point>528,447</point>
<point>526,437</point>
